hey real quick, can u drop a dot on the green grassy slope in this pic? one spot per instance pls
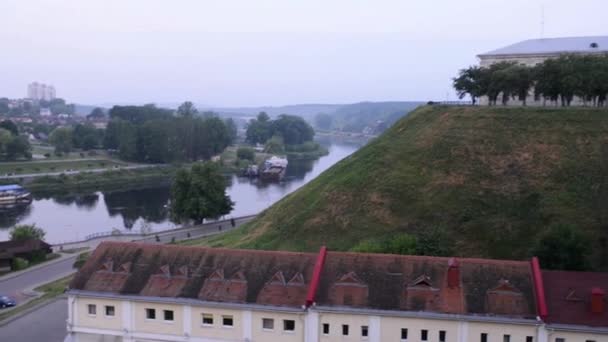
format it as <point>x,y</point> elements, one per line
<point>492,178</point>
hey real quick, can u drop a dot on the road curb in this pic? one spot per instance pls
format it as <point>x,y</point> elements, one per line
<point>39,266</point>
<point>31,309</point>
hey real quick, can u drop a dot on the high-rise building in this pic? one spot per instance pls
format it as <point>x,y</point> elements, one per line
<point>40,91</point>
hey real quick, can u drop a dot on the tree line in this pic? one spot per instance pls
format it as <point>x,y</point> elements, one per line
<point>157,135</point>
<point>290,129</point>
<point>12,144</point>
<point>557,80</point>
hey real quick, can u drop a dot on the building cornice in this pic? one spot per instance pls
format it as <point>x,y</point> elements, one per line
<point>186,301</point>
<point>540,54</point>
<point>577,328</point>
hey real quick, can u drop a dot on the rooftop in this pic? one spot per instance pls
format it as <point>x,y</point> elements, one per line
<point>347,280</point>
<point>591,44</point>
<point>10,187</point>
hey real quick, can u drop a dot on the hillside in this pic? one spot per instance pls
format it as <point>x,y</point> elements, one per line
<point>492,180</point>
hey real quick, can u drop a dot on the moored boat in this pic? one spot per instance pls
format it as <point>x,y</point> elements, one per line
<point>14,194</point>
<point>274,169</point>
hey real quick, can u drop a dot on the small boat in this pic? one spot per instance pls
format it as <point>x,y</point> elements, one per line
<point>274,169</point>
<point>14,194</point>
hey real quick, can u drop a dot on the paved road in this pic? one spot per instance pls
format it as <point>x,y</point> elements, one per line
<point>34,175</point>
<point>47,324</point>
<point>14,286</point>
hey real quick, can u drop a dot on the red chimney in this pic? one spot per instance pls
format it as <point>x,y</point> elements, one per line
<point>597,300</point>
<point>453,273</point>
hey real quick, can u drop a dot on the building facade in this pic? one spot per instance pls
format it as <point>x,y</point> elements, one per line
<point>40,91</point>
<point>535,51</point>
<point>137,292</point>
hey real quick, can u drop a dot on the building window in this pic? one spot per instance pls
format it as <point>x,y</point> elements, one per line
<point>289,325</point>
<point>110,310</point>
<point>441,335</point>
<point>590,341</point>
<point>168,315</point>
<point>325,329</point>
<point>345,329</point>
<point>364,331</point>
<point>484,337</point>
<point>403,334</point>
<point>92,309</point>
<point>559,339</point>
<point>207,319</point>
<point>506,338</point>
<point>424,335</point>
<point>267,323</point>
<point>529,339</point>
<point>227,321</point>
<point>150,313</point>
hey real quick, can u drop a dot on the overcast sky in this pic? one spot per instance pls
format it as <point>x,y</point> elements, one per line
<point>272,52</point>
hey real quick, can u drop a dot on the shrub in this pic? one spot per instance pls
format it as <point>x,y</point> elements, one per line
<point>398,244</point>
<point>245,153</point>
<point>26,232</point>
<point>563,247</point>
<point>19,264</point>
<point>47,155</point>
<point>81,259</point>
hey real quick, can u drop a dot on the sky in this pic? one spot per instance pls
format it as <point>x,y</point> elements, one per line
<point>266,52</point>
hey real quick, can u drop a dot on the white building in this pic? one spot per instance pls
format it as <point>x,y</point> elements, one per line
<point>534,51</point>
<point>40,91</point>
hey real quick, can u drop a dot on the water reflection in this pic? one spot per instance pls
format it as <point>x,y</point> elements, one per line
<point>67,218</point>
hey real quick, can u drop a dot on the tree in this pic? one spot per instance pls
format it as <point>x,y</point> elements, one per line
<point>469,82</point>
<point>232,129</point>
<point>563,247</point>
<point>10,126</point>
<point>4,108</point>
<point>187,109</point>
<point>96,113</point>
<point>293,129</point>
<point>26,232</point>
<point>199,193</point>
<point>61,138</point>
<point>275,145</point>
<point>86,136</point>
<point>259,129</point>
<point>19,146</point>
<point>5,139</point>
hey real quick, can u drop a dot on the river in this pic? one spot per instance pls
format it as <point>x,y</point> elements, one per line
<point>70,218</point>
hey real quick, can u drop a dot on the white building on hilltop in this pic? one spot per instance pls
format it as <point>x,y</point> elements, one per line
<point>535,51</point>
<point>40,91</point>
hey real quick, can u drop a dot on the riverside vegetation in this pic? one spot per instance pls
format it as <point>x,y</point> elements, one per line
<point>469,181</point>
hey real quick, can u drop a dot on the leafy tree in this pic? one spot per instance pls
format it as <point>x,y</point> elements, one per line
<point>259,129</point>
<point>10,126</point>
<point>293,129</point>
<point>245,153</point>
<point>5,138</point>
<point>96,113</point>
<point>563,247</point>
<point>61,138</point>
<point>199,193</point>
<point>232,129</point>
<point>324,121</point>
<point>275,145</point>
<point>4,108</point>
<point>19,146</point>
<point>26,232</point>
<point>187,109</point>
<point>470,82</point>
<point>434,241</point>
<point>86,136</point>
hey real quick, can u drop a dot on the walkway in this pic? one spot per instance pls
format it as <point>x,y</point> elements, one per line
<point>48,323</point>
<point>34,175</point>
<point>28,279</point>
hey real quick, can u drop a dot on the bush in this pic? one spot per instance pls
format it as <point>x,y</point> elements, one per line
<point>563,247</point>
<point>26,232</point>
<point>80,260</point>
<point>47,155</point>
<point>399,244</point>
<point>245,153</point>
<point>19,264</point>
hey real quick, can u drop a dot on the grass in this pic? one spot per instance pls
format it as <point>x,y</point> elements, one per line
<point>492,179</point>
<point>49,291</point>
<point>27,167</point>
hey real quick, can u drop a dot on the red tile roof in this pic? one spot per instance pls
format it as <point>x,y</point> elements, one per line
<point>569,297</point>
<point>213,274</point>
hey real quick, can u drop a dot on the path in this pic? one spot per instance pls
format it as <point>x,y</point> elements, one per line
<point>58,173</point>
<point>14,286</point>
<point>47,324</point>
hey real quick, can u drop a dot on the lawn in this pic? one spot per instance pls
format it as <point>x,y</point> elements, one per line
<point>43,166</point>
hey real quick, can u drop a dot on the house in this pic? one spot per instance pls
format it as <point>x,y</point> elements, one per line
<point>535,51</point>
<point>25,249</point>
<point>141,292</point>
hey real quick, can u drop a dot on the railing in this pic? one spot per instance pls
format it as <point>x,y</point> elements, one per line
<point>118,233</point>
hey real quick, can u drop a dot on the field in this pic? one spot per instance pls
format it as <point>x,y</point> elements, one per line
<point>44,166</point>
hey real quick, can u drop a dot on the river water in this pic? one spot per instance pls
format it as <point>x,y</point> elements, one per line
<point>69,218</point>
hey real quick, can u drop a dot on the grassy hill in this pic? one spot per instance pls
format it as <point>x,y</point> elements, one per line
<point>491,180</point>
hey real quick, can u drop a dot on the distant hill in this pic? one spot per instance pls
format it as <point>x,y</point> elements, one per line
<point>490,180</point>
<point>347,117</point>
